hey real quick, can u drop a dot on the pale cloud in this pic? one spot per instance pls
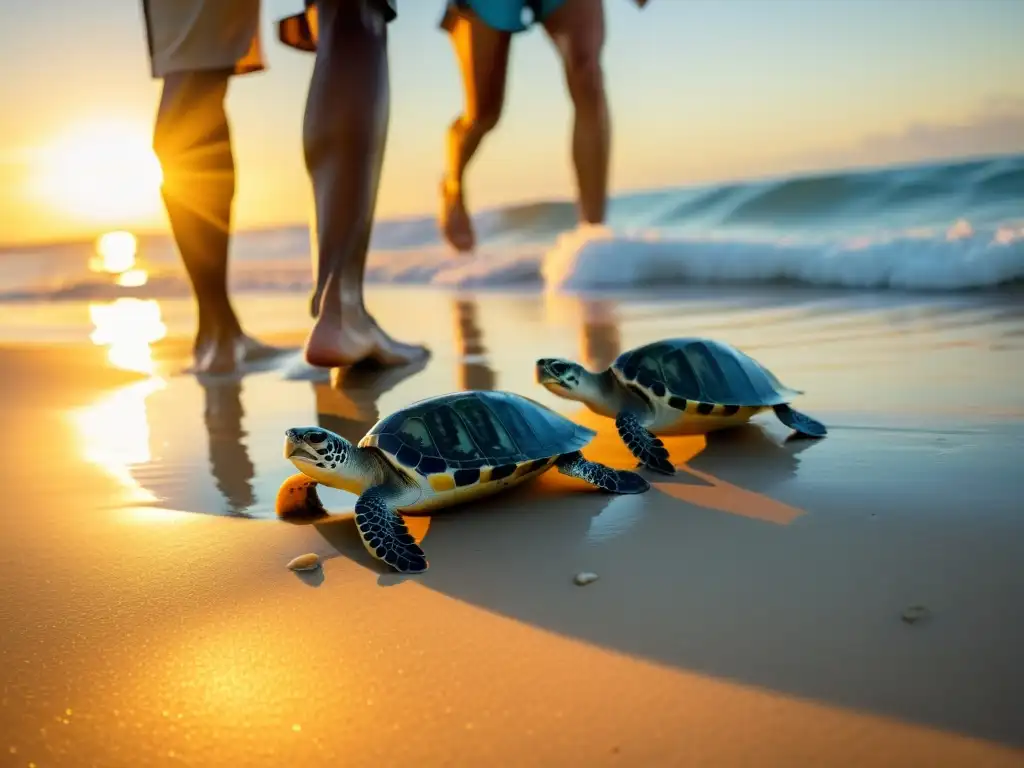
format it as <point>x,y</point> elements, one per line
<point>996,128</point>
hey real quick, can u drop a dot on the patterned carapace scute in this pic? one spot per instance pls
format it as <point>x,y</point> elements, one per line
<point>702,370</point>
<point>469,430</point>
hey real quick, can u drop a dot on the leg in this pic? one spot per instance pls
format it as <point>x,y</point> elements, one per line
<point>607,479</point>
<point>648,449</point>
<point>800,422</point>
<point>384,533</point>
<point>577,30</point>
<point>482,52</point>
<point>344,133</point>
<point>297,497</point>
<point>193,143</point>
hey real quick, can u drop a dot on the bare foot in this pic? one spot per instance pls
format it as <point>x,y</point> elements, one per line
<point>391,352</point>
<point>227,352</point>
<point>456,225</point>
<point>217,355</point>
<point>333,343</point>
<point>254,350</point>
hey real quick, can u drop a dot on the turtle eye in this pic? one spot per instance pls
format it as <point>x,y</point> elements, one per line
<point>559,368</point>
<point>315,436</point>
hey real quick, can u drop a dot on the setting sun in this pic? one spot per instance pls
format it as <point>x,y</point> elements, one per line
<point>103,172</point>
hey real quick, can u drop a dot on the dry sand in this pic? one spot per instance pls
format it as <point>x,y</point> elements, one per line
<point>748,611</point>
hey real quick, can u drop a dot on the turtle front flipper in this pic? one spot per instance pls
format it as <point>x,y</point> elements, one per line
<point>800,422</point>
<point>607,479</point>
<point>648,449</point>
<point>384,532</point>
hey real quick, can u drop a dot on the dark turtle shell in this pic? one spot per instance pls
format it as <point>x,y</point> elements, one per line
<point>469,430</point>
<point>701,370</point>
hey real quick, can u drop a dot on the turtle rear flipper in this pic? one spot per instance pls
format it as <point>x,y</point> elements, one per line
<point>384,532</point>
<point>648,449</point>
<point>799,422</point>
<point>607,479</point>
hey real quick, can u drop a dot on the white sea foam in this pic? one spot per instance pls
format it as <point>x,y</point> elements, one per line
<point>598,258</point>
<point>957,259</point>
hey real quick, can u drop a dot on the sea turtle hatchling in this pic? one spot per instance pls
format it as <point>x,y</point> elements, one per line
<point>435,453</point>
<point>676,387</point>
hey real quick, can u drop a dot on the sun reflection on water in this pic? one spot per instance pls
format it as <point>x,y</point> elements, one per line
<point>128,327</point>
<point>114,434</point>
<point>116,254</point>
<point>115,431</point>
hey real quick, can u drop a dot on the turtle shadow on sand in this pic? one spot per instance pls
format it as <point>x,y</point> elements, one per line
<point>707,582</point>
<point>753,453</point>
<point>705,573</point>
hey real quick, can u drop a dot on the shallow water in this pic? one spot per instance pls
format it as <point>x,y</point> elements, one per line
<point>762,586</point>
<point>868,363</point>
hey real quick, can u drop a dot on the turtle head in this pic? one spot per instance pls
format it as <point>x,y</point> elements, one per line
<point>323,456</point>
<point>567,379</point>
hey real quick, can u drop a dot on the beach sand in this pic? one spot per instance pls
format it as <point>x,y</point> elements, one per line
<point>748,610</point>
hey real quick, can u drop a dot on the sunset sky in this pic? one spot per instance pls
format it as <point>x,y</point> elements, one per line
<point>700,89</point>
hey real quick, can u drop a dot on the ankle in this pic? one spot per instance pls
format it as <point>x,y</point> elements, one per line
<point>451,187</point>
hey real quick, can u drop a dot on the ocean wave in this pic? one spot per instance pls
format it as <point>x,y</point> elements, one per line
<point>598,258</point>
<point>955,260</point>
<point>888,228</point>
<point>935,192</point>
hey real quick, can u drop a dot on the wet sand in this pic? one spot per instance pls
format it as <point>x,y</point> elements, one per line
<point>748,611</point>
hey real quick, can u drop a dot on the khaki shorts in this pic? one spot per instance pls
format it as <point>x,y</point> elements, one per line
<point>193,35</point>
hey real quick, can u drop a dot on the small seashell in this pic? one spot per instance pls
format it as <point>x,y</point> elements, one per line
<point>583,578</point>
<point>305,562</point>
<point>915,613</point>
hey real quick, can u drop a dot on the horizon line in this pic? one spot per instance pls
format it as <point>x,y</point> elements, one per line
<point>522,202</point>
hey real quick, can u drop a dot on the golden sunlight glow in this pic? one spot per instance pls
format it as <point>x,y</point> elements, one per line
<point>128,327</point>
<point>102,172</point>
<point>114,433</point>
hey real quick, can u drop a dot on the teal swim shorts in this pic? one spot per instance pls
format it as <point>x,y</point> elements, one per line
<point>503,15</point>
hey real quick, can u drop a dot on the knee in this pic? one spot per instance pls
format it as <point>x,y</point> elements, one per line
<point>166,145</point>
<point>585,76</point>
<point>191,127</point>
<point>483,120</point>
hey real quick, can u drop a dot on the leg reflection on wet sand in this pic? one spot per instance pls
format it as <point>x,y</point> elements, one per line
<point>347,404</point>
<point>600,340</point>
<point>470,351</point>
<point>230,464</point>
